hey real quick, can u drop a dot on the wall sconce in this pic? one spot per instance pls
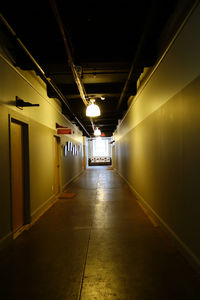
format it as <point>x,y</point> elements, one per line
<point>21,103</point>
<point>92,109</point>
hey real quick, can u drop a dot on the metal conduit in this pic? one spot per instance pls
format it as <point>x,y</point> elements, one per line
<point>133,65</point>
<point>41,71</point>
<point>77,79</point>
<point>141,43</point>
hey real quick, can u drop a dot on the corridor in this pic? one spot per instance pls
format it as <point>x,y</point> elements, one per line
<point>96,245</point>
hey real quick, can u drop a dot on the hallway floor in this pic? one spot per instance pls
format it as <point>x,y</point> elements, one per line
<point>97,245</point>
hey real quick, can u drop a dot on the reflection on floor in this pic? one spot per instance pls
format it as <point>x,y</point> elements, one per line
<point>96,245</point>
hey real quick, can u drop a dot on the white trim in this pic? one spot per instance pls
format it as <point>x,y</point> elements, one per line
<point>184,249</point>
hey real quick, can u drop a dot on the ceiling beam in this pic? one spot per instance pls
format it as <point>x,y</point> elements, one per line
<point>97,88</point>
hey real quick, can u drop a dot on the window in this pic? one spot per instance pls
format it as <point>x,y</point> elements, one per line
<point>100,147</point>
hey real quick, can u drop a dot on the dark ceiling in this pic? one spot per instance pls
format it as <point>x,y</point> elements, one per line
<point>102,49</point>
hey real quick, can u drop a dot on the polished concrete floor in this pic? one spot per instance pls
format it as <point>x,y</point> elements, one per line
<point>97,245</point>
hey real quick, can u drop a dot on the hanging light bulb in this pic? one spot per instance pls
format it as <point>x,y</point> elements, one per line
<point>92,109</point>
<point>97,132</point>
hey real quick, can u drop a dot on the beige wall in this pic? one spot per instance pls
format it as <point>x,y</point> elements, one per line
<point>158,144</point>
<point>42,127</point>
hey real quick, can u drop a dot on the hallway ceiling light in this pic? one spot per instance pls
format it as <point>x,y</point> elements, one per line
<point>97,132</point>
<point>92,109</point>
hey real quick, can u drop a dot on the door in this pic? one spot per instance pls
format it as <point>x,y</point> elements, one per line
<point>17,167</point>
<point>57,164</point>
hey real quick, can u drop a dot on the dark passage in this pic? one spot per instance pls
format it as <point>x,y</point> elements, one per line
<point>97,245</point>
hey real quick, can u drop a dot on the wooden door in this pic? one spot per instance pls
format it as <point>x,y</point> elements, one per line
<point>17,166</point>
<point>57,164</point>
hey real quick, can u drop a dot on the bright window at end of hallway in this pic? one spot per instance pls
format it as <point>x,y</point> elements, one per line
<point>100,147</point>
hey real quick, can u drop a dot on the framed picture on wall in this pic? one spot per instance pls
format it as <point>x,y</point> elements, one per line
<point>65,150</point>
<point>74,149</point>
<point>68,144</point>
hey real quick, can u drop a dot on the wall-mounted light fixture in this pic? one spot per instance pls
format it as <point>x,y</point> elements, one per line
<point>92,109</point>
<point>21,103</point>
<point>97,132</point>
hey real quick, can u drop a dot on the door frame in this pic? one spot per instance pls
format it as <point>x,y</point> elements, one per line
<point>26,170</point>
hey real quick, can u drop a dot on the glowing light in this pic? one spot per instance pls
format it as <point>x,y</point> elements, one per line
<point>97,132</point>
<point>92,109</point>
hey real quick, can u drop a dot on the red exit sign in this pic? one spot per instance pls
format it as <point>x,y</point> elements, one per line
<point>64,131</point>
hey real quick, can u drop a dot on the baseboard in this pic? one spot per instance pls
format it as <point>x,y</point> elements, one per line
<point>49,203</point>
<point>72,179</point>
<point>42,209</point>
<point>6,240</point>
<point>157,220</point>
<point>20,231</point>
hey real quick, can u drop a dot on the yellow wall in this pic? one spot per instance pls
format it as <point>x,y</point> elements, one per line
<point>158,145</point>
<point>42,128</point>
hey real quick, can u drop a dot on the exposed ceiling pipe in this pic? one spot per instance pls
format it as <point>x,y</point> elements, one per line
<point>92,124</point>
<point>191,7</point>
<point>130,74</point>
<point>42,73</point>
<point>77,79</point>
<point>136,56</point>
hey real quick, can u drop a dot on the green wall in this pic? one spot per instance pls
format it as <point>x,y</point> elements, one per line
<point>158,141</point>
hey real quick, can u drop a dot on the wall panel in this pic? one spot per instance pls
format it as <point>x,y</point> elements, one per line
<point>158,141</point>
<point>41,122</point>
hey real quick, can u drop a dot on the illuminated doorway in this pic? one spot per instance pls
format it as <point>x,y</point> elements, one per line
<point>100,147</point>
<point>99,152</point>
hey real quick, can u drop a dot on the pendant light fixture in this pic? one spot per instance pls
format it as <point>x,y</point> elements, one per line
<point>97,131</point>
<point>92,109</point>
